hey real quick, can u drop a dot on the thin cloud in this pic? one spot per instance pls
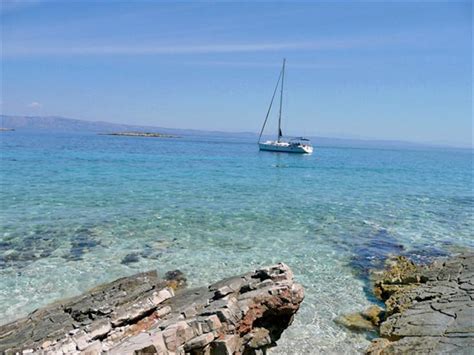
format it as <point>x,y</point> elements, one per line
<point>35,105</point>
<point>155,49</point>
<point>246,64</point>
<point>149,49</point>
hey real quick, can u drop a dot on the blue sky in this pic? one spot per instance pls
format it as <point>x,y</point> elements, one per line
<point>389,70</point>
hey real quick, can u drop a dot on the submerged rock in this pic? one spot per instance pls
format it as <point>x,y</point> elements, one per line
<point>141,314</point>
<point>175,279</point>
<point>375,314</point>
<point>367,320</point>
<point>355,321</point>
<point>130,258</point>
<point>81,243</point>
<point>372,250</point>
<point>18,250</point>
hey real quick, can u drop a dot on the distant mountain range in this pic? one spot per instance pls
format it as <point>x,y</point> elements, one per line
<point>62,124</point>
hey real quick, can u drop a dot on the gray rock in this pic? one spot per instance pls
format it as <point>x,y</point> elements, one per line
<point>430,313</point>
<point>228,345</point>
<point>259,338</point>
<point>141,314</point>
<point>147,350</point>
<point>199,342</point>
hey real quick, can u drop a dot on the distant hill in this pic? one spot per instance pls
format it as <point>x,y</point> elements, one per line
<point>62,124</point>
<point>54,123</point>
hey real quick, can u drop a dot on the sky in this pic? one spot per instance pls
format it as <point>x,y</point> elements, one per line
<point>398,70</point>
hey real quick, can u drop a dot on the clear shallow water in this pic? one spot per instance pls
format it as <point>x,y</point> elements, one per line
<point>74,206</point>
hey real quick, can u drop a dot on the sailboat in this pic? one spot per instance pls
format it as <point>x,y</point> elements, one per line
<point>283,144</point>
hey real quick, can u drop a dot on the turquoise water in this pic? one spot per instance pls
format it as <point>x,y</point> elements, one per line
<point>81,209</point>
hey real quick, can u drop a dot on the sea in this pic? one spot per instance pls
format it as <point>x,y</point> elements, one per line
<point>80,209</point>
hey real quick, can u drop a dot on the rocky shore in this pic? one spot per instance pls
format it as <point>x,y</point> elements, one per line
<point>146,314</point>
<point>429,309</point>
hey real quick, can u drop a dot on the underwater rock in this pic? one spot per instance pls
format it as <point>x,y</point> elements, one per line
<point>373,250</point>
<point>367,320</point>
<point>154,251</point>
<point>430,309</point>
<point>81,243</point>
<point>130,258</point>
<point>5,246</point>
<point>141,314</point>
<point>356,322</point>
<point>176,279</point>
<point>18,250</point>
<point>375,314</point>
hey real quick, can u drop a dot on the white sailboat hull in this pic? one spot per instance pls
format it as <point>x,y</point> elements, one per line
<point>275,146</point>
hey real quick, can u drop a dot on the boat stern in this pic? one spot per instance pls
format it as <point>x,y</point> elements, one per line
<point>308,149</point>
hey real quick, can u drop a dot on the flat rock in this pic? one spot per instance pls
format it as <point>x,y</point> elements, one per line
<point>430,308</point>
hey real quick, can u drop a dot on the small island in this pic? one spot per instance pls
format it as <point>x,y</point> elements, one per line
<point>140,134</point>
<point>6,129</point>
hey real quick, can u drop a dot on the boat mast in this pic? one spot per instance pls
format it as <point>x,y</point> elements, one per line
<point>281,99</point>
<point>270,107</point>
